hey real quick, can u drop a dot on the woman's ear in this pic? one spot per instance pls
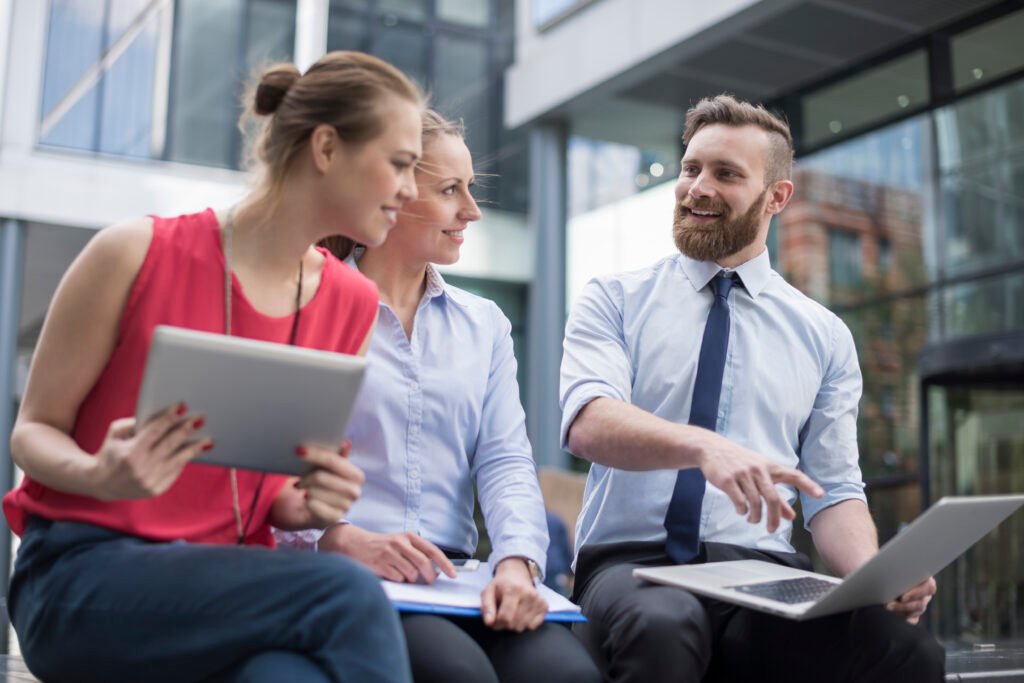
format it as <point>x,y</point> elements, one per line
<point>325,146</point>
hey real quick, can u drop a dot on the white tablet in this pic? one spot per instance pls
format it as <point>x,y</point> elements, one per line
<point>260,400</point>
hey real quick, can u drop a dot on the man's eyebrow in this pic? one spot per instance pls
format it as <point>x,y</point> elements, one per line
<point>731,163</point>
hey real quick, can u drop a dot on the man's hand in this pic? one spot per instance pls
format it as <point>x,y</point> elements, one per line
<point>510,601</point>
<point>749,478</point>
<point>402,557</point>
<point>912,604</point>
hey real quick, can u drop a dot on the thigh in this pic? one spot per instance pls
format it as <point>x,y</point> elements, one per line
<point>551,654</point>
<point>869,644</point>
<point>123,609</point>
<point>440,651</point>
<point>640,631</point>
<point>274,666</point>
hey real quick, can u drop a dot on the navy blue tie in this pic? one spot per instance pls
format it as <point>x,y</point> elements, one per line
<point>682,521</point>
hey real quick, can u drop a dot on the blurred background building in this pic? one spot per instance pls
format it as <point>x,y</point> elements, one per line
<point>908,219</point>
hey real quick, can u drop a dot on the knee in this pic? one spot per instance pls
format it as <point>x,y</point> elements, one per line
<point>923,659</point>
<point>671,620</point>
<point>347,586</point>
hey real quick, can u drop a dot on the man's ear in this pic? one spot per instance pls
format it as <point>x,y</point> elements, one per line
<point>324,146</point>
<point>779,194</point>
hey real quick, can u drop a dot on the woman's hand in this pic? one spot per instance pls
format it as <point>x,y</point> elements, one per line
<point>146,462</point>
<point>511,601</point>
<point>402,557</point>
<point>331,487</point>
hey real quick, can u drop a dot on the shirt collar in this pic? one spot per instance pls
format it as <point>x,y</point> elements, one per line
<point>436,286</point>
<point>753,273</point>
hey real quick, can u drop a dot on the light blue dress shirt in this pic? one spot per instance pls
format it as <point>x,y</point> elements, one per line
<point>789,392</point>
<point>437,412</point>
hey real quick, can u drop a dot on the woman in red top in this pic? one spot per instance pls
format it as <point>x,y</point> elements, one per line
<point>132,565</point>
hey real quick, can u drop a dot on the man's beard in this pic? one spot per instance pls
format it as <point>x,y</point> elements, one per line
<point>713,241</point>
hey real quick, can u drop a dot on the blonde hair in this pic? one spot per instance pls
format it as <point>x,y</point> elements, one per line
<point>434,126</point>
<point>345,90</point>
<point>727,110</point>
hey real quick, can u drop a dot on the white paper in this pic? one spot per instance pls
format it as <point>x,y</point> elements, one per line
<point>464,591</point>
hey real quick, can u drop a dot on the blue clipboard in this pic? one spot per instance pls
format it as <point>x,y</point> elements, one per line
<point>451,611</point>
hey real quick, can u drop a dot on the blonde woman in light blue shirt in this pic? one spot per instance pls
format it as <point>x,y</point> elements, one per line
<point>440,411</point>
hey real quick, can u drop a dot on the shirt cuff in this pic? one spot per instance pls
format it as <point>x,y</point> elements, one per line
<point>833,495</point>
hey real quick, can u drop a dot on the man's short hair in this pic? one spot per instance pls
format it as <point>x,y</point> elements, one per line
<point>727,110</point>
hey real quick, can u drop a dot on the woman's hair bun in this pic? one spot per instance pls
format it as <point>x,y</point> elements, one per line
<point>273,86</point>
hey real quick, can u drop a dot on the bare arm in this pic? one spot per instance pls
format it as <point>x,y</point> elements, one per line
<point>845,536</point>
<point>616,434</point>
<point>75,345</point>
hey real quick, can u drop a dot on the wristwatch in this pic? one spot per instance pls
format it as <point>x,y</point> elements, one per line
<point>534,570</point>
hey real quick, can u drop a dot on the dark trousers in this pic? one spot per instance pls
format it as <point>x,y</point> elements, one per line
<point>639,631</point>
<point>447,649</point>
<point>89,604</point>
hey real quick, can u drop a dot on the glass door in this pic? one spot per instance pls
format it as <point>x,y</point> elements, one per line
<point>976,446</point>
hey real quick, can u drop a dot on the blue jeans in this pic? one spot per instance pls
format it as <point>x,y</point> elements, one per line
<point>90,604</point>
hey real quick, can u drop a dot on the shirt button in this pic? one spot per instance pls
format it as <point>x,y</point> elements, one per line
<point>413,514</point>
<point>415,474</point>
<point>413,429</point>
<point>414,386</point>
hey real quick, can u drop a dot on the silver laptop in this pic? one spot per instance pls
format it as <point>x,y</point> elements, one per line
<point>260,400</point>
<point>935,539</point>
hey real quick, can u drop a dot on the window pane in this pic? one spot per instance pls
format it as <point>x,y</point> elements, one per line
<point>346,31</point>
<point>468,12</point>
<point>844,263</point>
<point>410,9</point>
<point>861,100</point>
<point>982,168</point>
<point>990,305</point>
<point>202,111</point>
<point>127,108</point>
<point>462,89</point>
<point>74,45</point>
<point>405,47</point>
<point>204,102</point>
<point>889,339</point>
<point>978,448</point>
<point>988,51</point>
<point>876,187</point>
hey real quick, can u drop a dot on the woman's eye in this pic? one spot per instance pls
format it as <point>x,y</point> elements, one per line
<point>449,191</point>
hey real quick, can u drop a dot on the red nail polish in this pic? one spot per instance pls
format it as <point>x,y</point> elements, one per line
<point>305,495</point>
<point>300,451</point>
<point>198,423</point>
<point>182,409</point>
<point>208,446</point>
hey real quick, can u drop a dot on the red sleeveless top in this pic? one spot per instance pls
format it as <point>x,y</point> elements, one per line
<point>181,283</point>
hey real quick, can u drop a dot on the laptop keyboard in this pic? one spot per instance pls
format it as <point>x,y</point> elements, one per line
<point>789,591</point>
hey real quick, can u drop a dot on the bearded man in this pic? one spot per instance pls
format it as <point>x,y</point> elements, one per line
<point>709,393</point>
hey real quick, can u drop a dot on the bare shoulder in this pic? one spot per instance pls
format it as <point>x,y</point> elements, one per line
<point>122,246</point>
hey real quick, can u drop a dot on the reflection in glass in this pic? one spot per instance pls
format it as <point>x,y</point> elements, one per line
<point>988,51</point>
<point>99,76</point>
<point>977,448</point>
<point>860,100</point>
<point>346,31</point>
<point>468,12</point>
<point>982,166</point>
<point>989,305</point>
<point>412,9</point>
<point>405,47</point>
<point>462,89</point>
<point>235,37</point>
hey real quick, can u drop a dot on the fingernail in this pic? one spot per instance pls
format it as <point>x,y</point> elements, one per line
<point>198,423</point>
<point>305,495</point>
<point>208,446</point>
<point>182,409</point>
<point>300,451</point>
<point>297,484</point>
